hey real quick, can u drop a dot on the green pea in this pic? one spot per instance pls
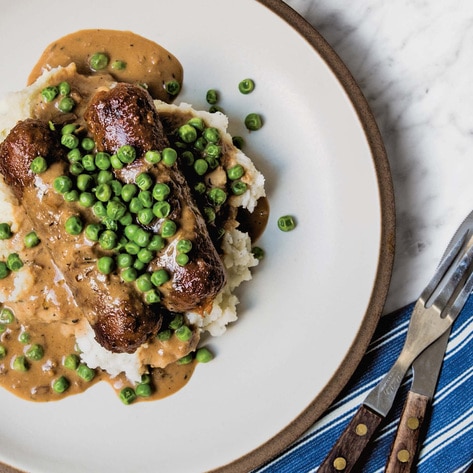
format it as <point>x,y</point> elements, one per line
<point>68,129</point>
<point>203,355</point>
<point>183,333</point>
<point>115,162</point>
<point>76,168</point>
<point>14,262</point>
<point>159,277</point>
<point>20,363</point>
<point>88,161</point>
<point>176,322</point>
<point>164,335</point>
<point>142,238</point>
<point>62,184</point>
<point>129,274</point>
<point>128,192</point>
<point>39,165</point>
<point>108,240</point>
<point>144,181</point>
<point>185,360</point>
<point>197,122</point>
<point>84,182</point>
<point>116,209</point>
<point>143,283</point>
<point>74,155</point>
<point>92,231</point>
<point>182,259</point>
<point>184,246</point>
<point>86,199</point>
<point>238,187</point>
<point>72,196</point>
<point>200,144</point>
<point>87,144</point>
<point>126,154</point>
<point>4,271</point>
<point>86,373</point>
<point>156,243</point>
<point>215,109</point>
<point>6,316</point>
<point>104,177</point>
<point>145,255</point>
<point>119,65</point>
<point>187,133</point>
<point>131,231</point>
<point>103,192</point>
<point>213,151</point>
<point>99,209</point>
<point>71,362</point>
<point>258,252</point>
<point>153,156</point>
<point>209,214</point>
<point>143,390</point>
<point>253,121</point>
<point>31,240</point>
<point>60,385</point>
<point>145,216</point>
<point>246,86</point>
<point>211,134</point>
<point>135,205</point>
<point>200,188</point>
<point>24,338</point>
<point>201,166</point>
<point>105,264</point>
<point>286,223</point>
<point>98,61</point>
<point>152,297</point>
<point>5,231</point>
<point>169,156</point>
<point>238,142</point>
<point>146,198</point>
<point>3,352</point>
<point>162,209</point>
<point>212,96</point>
<point>127,395</point>
<point>66,104</point>
<point>172,87</point>
<point>188,158</point>
<point>35,352</point>
<point>124,260</point>
<point>102,160</point>
<point>139,265</point>
<point>64,88</point>
<point>217,196</point>
<point>235,172</point>
<point>161,191</point>
<point>49,93</point>
<point>74,225</point>
<point>168,229</point>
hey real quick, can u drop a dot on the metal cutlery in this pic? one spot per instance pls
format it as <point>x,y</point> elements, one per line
<point>433,314</point>
<point>426,369</point>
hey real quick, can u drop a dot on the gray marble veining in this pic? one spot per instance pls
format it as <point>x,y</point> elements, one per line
<point>413,60</point>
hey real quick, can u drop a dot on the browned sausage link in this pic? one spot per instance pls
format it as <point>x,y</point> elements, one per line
<point>121,320</point>
<point>125,115</point>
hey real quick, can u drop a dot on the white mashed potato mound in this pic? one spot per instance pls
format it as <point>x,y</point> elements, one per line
<point>237,255</point>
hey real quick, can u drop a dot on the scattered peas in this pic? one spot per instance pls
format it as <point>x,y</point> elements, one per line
<point>176,322</point>
<point>66,104</point>
<point>126,154</point>
<point>143,282</point>
<point>20,363</point>
<point>235,172</point>
<point>49,93</point>
<point>258,252</point>
<point>6,316</point>
<point>14,262</point>
<point>187,133</point>
<point>182,259</point>
<point>71,362</point>
<point>246,86</point>
<point>159,277</point>
<point>212,96</point>
<point>84,372</point>
<point>169,156</point>
<point>64,88</point>
<point>60,385</point>
<point>203,355</point>
<point>172,87</point>
<point>4,271</point>
<point>105,264</point>
<point>253,121</point>
<point>184,246</point>
<point>74,225</point>
<point>153,156</point>
<point>3,352</point>
<point>286,223</point>
<point>5,231</point>
<point>127,395</point>
<point>129,274</point>
<point>238,187</point>
<point>38,165</point>
<point>35,352</point>
<point>152,297</point>
<point>119,65</point>
<point>98,61</point>
<point>217,196</point>
<point>143,390</point>
<point>168,229</point>
<point>161,209</point>
<point>24,337</point>
<point>62,184</point>
<point>164,335</point>
<point>238,142</point>
<point>185,360</point>
<point>183,333</point>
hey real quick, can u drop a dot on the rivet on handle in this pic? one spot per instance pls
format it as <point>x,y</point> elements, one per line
<point>361,430</point>
<point>339,463</point>
<point>413,423</point>
<point>403,456</point>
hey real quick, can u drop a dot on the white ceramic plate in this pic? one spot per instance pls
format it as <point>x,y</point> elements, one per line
<point>307,316</point>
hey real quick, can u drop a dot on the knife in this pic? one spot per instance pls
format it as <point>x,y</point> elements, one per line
<point>439,304</point>
<point>426,370</point>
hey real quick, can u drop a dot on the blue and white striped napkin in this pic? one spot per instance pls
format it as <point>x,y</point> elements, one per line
<point>448,444</point>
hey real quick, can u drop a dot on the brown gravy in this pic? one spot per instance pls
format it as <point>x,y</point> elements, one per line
<point>143,61</point>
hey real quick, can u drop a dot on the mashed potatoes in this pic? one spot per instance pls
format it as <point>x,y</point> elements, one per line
<point>236,247</point>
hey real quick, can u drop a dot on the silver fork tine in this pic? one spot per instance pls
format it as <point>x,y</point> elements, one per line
<point>461,299</point>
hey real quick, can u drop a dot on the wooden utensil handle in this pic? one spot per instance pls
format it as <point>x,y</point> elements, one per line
<point>353,441</point>
<point>406,443</point>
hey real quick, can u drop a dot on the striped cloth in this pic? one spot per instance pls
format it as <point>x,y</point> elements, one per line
<point>448,444</point>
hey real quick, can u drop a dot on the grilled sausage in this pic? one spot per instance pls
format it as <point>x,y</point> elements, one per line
<point>121,320</point>
<point>125,115</point>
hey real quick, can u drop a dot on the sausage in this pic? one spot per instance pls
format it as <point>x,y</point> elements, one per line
<point>121,320</point>
<point>126,115</point>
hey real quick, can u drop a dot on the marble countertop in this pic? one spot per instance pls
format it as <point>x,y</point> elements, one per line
<point>413,60</point>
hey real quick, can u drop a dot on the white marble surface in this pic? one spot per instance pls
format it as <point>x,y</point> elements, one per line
<point>413,60</point>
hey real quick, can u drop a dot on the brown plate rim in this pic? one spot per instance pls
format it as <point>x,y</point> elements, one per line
<point>340,378</point>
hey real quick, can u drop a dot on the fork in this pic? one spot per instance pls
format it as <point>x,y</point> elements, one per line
<point>434,312</point>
